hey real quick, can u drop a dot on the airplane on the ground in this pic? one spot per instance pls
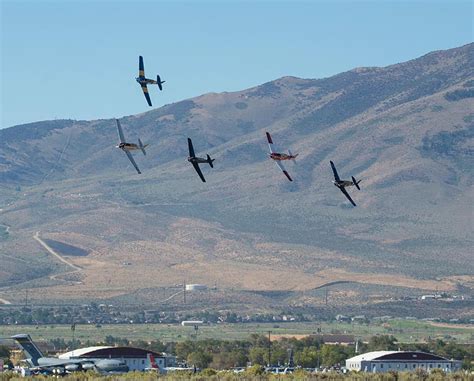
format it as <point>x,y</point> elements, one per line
<point>38,363</point>
<point>195,161</point>
<point>342,184</point>
<point>278,157</point>
<point>143,81</point>
<point>127,147</point>
<point>154,367</point>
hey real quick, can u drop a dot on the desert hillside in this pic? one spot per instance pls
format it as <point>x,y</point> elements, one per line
<point>406,130</point>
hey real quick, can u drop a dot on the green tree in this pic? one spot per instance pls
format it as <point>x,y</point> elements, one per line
<point>382,343</point>
<point>4,352</point>
<point>307,358</point>
<point>183,349</point>
<point>258,355</point>
<point>199,359</point>
<point>332,355</point>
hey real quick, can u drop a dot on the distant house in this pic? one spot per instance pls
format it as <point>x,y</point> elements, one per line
<point>400,361</point>
<point>343,318</point>
<point>359,319</point>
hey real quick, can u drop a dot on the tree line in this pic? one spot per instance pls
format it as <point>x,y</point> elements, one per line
<point>308,352</point>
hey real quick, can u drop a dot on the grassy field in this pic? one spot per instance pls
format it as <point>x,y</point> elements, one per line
<point>404,331</point>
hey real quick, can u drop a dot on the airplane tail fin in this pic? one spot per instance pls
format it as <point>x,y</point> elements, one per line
<point>159,82</point>
<point>209,160</point>
<point>294,156</point>
<point>142,147</point>
<point>32,352</point>
<point>152,361</point>
<point>356,183</point>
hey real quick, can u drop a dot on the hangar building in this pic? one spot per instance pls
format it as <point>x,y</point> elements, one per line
<point>135,358</point>
<point>400,361</point>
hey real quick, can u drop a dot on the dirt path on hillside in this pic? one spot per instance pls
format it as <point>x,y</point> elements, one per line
<point>454,326</point>
<point>60,258</point>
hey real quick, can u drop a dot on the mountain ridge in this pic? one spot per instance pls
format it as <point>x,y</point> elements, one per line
<point>397,128</point>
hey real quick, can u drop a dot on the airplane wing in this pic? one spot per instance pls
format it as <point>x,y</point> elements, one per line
<point>130,157</point>
<point>141,67</point>
<point>198,170</point>
<point>336,176</point>
<point>147,96</point>
<point>270,142</point>
<point>283,169</point>
<point>120,132</point>
<point>191,148</point>
<point>343,190</point>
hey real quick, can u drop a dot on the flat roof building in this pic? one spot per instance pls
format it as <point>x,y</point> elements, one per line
<point>400,361</point>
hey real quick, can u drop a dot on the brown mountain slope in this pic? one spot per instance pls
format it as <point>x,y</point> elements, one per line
<point>406,130</point>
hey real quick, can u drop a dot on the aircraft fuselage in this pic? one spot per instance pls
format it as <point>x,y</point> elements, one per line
<point>78,364</point>
<point>128,146</point>
<point>145,81</point>
<point>197,160</point>
<point>343,183</point>
<point>281,156</point>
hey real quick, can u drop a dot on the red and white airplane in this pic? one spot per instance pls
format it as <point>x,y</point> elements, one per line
<point>278,157</point>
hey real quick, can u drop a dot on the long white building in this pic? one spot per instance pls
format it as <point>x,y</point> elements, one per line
<point>400,361</point>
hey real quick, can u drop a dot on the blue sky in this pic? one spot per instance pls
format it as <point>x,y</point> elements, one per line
<point>78,59</point>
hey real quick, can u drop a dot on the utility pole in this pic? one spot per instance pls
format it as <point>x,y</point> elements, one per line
<point>269,349</point>
<point>184,292</point>
<point>73,329</point>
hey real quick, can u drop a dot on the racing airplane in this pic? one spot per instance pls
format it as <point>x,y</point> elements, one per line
<point>143,81</point>
<point>342,184</point>
<point>278,157</point>
<point>195,161</point>
<point>37,362</point>
<point>127,147</point>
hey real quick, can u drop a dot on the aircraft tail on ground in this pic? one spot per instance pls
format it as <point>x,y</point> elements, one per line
<point>209,160</point>
<point>356,183</point>
<point>152,361</point>
<point>32,352</point>
<point>142,147</point>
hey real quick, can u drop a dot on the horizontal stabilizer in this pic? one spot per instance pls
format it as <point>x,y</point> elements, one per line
<point>142,147</point>
<point>159,82</point>
<point>209,160</point>
<point>356,183</point>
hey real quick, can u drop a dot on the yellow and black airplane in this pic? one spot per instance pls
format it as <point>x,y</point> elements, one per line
<point>143,81</point>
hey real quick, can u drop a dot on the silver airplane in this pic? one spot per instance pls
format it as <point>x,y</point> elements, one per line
<point>127,147</point>
<point>37,362</point>
<point>195,161</point>
<point>342,184</point>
